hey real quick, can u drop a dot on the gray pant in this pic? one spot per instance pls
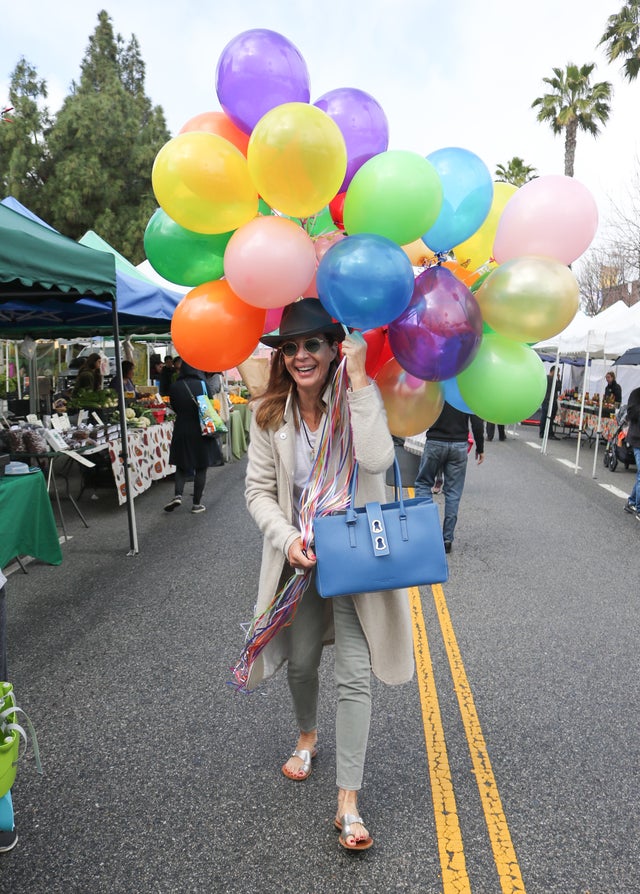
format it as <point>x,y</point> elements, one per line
<point>352,673</point>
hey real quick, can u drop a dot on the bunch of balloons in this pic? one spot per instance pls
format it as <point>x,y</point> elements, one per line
<point>275,197</point>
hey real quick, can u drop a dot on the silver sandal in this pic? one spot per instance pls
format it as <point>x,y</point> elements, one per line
<point>306,756</point>
<point>344,826</point>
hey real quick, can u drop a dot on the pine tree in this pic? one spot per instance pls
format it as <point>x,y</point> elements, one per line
<point>22,143</point>
<point>102,147</point>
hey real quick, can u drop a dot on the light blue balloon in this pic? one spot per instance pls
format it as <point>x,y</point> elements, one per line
<point>453,397</point>
<point>365,281</point>
<point>467,190</point>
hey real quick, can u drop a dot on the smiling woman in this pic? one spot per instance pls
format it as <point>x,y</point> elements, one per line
<point>307,430</point>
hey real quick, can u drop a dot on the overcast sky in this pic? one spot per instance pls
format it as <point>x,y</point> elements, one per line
<point>462,73</point>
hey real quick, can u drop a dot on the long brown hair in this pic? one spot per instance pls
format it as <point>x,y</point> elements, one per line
<point>272,401</point>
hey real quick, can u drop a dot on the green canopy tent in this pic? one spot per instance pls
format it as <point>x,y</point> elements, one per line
<point>49,282</point>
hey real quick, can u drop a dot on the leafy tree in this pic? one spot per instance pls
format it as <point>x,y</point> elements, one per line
<point>102,147</point>
<point>22,143</point>
<point>622,38</point>
<point>515,172</point>
<point>574,104</point>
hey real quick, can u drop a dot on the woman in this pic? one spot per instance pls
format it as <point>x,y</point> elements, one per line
<point>128,386</point>
<point>612,390</point>
<point>89,375</point>
<point>633,439</point>
<point>370,631</point>
<point>190,452</point>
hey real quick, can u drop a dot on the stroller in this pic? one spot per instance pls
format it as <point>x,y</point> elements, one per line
<point>617,449</point>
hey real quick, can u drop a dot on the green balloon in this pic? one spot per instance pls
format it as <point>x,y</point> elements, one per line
<point>182,256</point>
<point>397,194</point>
<point>505,382</point>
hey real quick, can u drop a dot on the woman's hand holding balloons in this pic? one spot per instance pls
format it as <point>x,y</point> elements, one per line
<point>354,348</point>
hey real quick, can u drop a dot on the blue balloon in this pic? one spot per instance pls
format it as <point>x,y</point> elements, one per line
<point>467,194</point>
<point>365,281</point>
<point>453,397</point>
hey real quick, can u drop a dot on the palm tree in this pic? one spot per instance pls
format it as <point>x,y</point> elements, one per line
<point>622,38</point>
<point>515,172</point>
<point>575,103</point>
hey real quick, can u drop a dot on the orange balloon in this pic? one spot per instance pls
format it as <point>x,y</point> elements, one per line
<point>412,405</point>
<point>468,277</point>
<point>213,329</point>
<point>217,122</point>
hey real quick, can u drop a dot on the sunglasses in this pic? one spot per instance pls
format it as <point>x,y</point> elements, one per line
<point>311,346</point>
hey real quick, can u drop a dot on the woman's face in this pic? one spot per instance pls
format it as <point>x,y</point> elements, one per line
<point>609,378</point>
<point>308,367</point>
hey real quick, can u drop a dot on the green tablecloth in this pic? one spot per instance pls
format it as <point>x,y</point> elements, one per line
<point>239,424</point>
<point>27,525</point>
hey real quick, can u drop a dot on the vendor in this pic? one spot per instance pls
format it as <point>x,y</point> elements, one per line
<point>89,375</point>
<point>128,385</point>
<point>612,391</point>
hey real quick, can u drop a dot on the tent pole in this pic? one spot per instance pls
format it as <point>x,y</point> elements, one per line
<point>15,345</point>
<point>131,514</point>
<point>586,367</point>
<point>599,426</point>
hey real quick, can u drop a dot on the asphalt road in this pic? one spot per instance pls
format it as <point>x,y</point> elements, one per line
<point>510,763</point>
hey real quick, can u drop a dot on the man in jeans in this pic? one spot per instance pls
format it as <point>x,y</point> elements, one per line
<point>446,449</point>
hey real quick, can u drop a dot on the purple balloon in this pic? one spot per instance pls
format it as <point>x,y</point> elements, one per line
<point>439,333</point>
<point>362,122</point>
<point>257,71</point>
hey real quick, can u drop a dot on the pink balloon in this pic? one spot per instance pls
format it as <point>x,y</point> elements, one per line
<point>312,289</point>
<point>269,262</point>
<point>553,216</point>
<point>323,243</point>
<point>272,319</point>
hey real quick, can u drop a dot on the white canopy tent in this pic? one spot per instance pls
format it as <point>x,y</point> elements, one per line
<point>600,340</point>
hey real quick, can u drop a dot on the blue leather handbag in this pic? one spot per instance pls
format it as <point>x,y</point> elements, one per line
<point>379,546</point>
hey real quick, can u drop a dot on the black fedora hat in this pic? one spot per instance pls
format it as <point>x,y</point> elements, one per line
<point>304,317</point>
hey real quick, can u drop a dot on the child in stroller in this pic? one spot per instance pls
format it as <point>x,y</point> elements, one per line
<point>617,449</point>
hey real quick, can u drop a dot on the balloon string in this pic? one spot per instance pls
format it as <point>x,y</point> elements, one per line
<point>322,495</point>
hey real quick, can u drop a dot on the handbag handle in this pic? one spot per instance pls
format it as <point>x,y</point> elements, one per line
<point>397,478</point>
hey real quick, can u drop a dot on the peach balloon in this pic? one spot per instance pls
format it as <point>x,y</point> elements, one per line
<point>411,404</point>
<point>418,253</point>
<point>213,329</point>
<point>269,261</point>
<point>217,122</point>
<point>323,243</point>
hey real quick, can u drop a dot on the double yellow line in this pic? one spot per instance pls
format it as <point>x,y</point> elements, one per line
<point>455,879</point>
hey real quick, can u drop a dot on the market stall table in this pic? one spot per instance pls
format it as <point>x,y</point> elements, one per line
<point>27,525</point>
<point>239,425</point>
<point>568,416</point>
<point>148,451</point>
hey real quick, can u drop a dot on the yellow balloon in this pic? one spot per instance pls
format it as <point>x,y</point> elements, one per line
<point>202,182</point>
<point>411,404</point>
<point>476,251</point>
<point>529,298</point>
<point>297,158</point>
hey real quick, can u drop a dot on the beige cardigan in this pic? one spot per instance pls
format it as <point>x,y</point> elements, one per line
<point>385,617</point>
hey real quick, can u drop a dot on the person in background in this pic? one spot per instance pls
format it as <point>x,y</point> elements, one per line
<point>190,452</point>
<point>166,375</point>
<point>491,430</point>
<point>89,375</point>
<point>128,386</point>
<point>369,632</point>
<point>612,390</point>
<point>446,450</point>
<point>551,395</point>
<point>155,369</point>
<point>177,366</point>
<point>633,439</point>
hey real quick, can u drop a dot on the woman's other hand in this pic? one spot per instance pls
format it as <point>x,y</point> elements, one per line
<point>299,558</point>
<point>354,349</point>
